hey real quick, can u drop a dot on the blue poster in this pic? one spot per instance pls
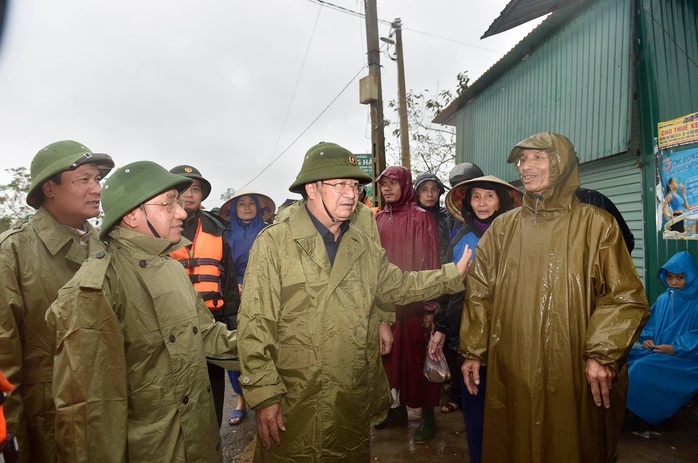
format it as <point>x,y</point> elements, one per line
<point>678,194</point>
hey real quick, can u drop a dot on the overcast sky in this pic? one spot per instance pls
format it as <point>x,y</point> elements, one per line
<point>224,85</point>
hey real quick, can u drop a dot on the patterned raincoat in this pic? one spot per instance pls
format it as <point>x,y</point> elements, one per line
<point>305,331</point>
<point>36,259</point>
<point>552,285</point>
<point>130,379</point>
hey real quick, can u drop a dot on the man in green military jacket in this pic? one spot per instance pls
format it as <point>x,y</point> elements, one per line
<point>36,259</point>
<point>308,315</point>
<point>132,336</point>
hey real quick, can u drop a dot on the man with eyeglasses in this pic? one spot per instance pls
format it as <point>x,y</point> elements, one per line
<point>553,305</point>
<point>208,263</point>
<point>36,259</point>
<point>308,315</point>
<point>133,335</point>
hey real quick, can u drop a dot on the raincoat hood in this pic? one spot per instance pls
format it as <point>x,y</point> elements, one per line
<point>428,177</point>
<point>682,262</point>
<point>564,172</point>
<point>241,235</point>
<point>404,178</point>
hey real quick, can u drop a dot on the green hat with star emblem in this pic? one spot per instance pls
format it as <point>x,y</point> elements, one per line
<point>325,161</point>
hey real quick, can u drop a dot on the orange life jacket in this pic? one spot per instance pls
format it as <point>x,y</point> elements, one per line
<point>202,261</point>
<point>5,386</point>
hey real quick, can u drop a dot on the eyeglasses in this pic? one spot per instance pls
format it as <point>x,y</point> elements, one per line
<point>343,187</point>
<point>538,159</point>
<point>170,205</point>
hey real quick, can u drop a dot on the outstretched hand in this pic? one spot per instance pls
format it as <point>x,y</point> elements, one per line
<point>463,264</point>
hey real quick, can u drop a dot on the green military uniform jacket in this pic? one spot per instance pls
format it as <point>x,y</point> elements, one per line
<point>36,259</point>
<point>305,331</point>
<point>130,378</point>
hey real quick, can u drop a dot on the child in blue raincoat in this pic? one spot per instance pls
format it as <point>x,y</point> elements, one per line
<point>663,370</point>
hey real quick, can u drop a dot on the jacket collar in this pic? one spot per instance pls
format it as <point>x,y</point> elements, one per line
<point>308,238</point>
<point>146,244</point>
<point>56,236</point>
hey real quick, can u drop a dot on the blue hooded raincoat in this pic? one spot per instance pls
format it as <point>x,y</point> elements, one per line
<point>660,384</point>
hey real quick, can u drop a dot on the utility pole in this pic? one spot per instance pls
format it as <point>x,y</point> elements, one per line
<point>402,95</point>
<point>376,101</point>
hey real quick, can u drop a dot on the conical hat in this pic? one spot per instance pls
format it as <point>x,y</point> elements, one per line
<point>454,198</point>
<point>268,206</point>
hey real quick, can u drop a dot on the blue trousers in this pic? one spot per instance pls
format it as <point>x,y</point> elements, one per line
<point>474,415</point>
<point>234,381</point>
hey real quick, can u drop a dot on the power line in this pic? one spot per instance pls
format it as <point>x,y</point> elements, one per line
<point>342,9</point>
<point>452,40</point>
<point>307,128</point>
<point>298,79</point>
<point>345,10</point>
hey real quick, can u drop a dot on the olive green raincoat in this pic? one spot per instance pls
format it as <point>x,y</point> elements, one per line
<point>305,330</point>
<point>380,398</point>
<point>552,285</point>
<point>130,379</point>
<point>36,259</point>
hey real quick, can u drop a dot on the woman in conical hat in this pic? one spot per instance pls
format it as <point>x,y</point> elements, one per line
<point>248,213</point>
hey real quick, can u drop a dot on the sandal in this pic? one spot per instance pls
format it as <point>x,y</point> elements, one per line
<point>449,407</point>
<point>237,415</point>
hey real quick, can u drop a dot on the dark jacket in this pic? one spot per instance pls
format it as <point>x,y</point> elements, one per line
<point>597,199</point>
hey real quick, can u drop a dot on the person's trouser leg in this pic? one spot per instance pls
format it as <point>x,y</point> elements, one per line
<point>234,377</point>
<point>474,416</point>
<point>216,377</point>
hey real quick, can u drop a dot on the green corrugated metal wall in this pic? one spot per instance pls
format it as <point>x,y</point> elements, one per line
<point>577,83</point>
<point>667,49</point>
<point>620,178</point>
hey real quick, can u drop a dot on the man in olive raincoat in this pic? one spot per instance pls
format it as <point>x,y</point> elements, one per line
<point>554,305</point>
<point>36,259</point>
<point>130,380</point>
<point>308,315</point>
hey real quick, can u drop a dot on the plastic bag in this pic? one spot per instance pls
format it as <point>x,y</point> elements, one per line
<point>436,372</point>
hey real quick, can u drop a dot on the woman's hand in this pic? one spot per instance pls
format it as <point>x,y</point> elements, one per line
<point>436,346</point>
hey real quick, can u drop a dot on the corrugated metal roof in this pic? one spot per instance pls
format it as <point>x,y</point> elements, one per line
<point>517,54</point>
<point>518,12</point>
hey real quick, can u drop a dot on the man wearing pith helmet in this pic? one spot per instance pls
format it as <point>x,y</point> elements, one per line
<point>133,335</point>
<point>36,259</point>
<point>309,306</point>
<point>207,260</point>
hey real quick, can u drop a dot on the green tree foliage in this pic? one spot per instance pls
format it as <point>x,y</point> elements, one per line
<point>13,206</point>
<point>432,146</point>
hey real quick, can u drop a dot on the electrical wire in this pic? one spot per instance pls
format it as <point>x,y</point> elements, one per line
<point>345,10</point>
<point>342,9</point>
<point>307,128</point>
<point>298,79</point>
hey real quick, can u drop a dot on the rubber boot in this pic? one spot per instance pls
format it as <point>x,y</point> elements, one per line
<point>427,427</point>
<point>396,415</point>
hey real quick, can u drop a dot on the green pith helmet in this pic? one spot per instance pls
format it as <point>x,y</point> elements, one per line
<point>325,161</point>
<point>132,185</point>
<point>59,157</point>
<point>194,174</point>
